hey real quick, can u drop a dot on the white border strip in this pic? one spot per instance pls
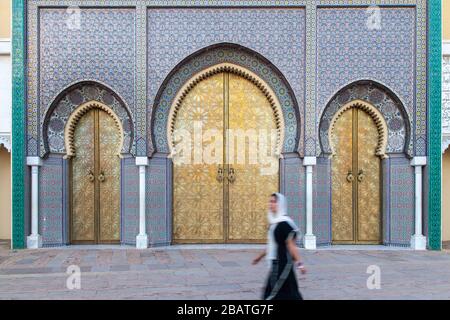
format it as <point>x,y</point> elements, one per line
<point>446,47</point>
<point>5,46</point>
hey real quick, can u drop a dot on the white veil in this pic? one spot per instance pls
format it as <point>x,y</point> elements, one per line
<point>274,219</point>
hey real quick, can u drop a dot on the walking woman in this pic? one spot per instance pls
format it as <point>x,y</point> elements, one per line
<point>282,253</point>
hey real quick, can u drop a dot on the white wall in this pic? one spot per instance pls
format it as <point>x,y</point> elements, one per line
<point>5,86</point>
<point>5,139</point>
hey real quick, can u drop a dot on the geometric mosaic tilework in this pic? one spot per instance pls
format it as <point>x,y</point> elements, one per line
<point>278,34</point>
<point>386,190</point>
<point>130,201</point>
<point>347,50</point>
<point>210,57</point>
<point>293,187</point>
<point>382,99</point>
<point>401,199</point>
<point>102,49</point>
<point>56,119</point>
<point>51,202</point>
<point>322,201</point>
<point>158,208</point>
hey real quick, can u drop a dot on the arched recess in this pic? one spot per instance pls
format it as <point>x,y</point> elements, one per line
<point>76,116</point>
<point>384,102</point>
<point>376,116</point>
<point>79,94</point>
<point>240,58</point>
<point>238,70</point>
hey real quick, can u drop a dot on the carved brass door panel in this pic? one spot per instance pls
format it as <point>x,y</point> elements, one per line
<point>215,199</point>
<point>250,145</point>
<point>356,187</point>
<point>95,215</point>
<point>197,189</point>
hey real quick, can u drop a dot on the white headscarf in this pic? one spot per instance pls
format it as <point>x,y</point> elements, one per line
<point>274,219</point>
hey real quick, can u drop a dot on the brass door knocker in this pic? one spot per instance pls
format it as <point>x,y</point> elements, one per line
<point>91,176</point>
<point>101,177</point>
<point>219,177</point>
<point>231,175</point>
<point>350,177</point>
<point>361,175</point>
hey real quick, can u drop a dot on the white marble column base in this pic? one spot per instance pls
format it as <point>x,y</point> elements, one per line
<point>34,241</point>
<point>418,242</point>
<point>142,241</point>
<point>309,242</point>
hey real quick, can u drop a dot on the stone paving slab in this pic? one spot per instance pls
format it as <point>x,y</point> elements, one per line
<point>216,272</point>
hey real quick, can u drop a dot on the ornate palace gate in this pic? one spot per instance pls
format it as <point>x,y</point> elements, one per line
<point>222,181</point>
<point>356,177</point>
<point>95,177</point>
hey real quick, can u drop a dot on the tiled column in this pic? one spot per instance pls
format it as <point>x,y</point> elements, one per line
<point>142,238</point>
<point>34,240</point>
<point>418,240</point>
<point>309,240</point>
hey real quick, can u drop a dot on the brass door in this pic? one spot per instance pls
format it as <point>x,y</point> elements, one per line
<point>95,214</point>
<point>219,194</point>
<point>356,188</point>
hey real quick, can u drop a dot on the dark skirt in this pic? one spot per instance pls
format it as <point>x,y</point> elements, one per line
<point>282,283</point>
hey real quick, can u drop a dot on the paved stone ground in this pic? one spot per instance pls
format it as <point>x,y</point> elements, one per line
<point>216,272</point>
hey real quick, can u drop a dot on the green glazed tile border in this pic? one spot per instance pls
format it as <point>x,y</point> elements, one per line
<point>18,124</point>
<point>434,118</point>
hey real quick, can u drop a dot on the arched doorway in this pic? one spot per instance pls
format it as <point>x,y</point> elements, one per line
<point>94,138</point>
<point>358,140</point>
<point>225,133</point>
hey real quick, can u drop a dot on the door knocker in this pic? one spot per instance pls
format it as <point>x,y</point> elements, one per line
<point>231,175</point>
<point>350,177</point>
<point>101,177</point>
<point>361,175</point>
<point>219,177</point>
<point>91,176</point>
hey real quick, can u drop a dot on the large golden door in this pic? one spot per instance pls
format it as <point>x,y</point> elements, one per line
<point>356,188</point>
<point>222,180</point>
<point>95,216</point>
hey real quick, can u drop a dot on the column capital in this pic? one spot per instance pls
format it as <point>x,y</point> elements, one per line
<point>419,161</point>
<point>309,161</point>
<point>141,161</point>
<point>34,161</point>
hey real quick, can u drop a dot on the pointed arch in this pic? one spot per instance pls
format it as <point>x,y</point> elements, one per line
<point>377,117</point>
<point>72,97</point>
<point>384,101</point>
<point>75,118</point>
<point>207,58</point>
<point>240,71</point>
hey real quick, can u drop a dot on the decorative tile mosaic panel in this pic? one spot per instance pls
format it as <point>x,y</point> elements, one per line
<point>293,179</point>
<point>171,38</point>
<point>130,201</point>
<point>347,50</point>
<point>401,220</point>
<point>51,202</point>
<point>159,213</point>
<point>392,110</point>
<point>386,182</point>
<point>322,201</point>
